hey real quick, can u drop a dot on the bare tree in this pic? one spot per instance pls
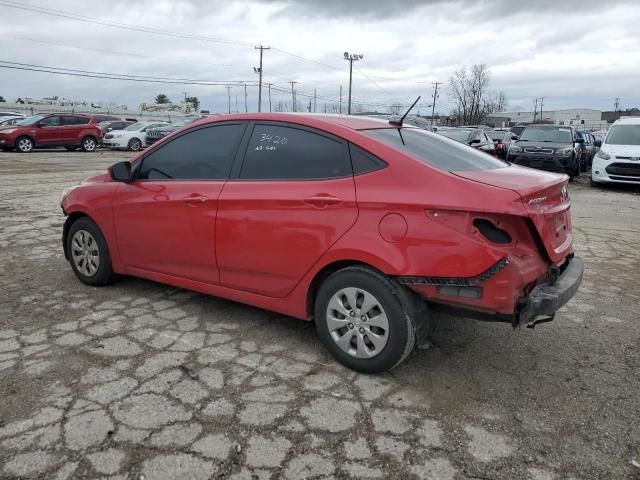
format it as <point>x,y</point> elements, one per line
<point>495,102</point>
<point>467,90</point>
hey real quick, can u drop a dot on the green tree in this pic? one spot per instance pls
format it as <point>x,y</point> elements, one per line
<point>162,98</point>
<point>194,101</point>
<point>2,100</point>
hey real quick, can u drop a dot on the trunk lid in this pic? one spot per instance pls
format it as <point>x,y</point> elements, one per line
<point>545,199</point>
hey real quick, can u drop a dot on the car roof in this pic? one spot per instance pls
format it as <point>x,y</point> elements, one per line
<point>628,121</point>
<point>348,121</point>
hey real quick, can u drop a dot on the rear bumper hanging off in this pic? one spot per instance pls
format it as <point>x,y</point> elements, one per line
<point>547,298</point>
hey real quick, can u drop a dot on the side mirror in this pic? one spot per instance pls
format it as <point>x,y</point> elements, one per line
<point>475,140</point>
<point>514,137</point>
<point>121,172</point>
<point>41,124</point>
<point>597,143</point>
<point>109,129</point>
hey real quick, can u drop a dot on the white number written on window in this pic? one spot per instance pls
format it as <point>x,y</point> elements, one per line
<point>269,138</point>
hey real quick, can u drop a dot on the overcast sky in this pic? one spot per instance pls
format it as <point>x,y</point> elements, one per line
<point>575,53</point>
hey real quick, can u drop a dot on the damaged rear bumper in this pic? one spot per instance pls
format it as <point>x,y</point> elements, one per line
<point>547,298</point>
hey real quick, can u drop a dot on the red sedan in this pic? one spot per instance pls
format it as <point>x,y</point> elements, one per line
<point>353,222</point>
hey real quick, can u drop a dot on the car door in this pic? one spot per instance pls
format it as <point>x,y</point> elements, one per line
<point>49,131</point>
<point>73,126</point>
<point>286,204</point>
<point>165,218</point>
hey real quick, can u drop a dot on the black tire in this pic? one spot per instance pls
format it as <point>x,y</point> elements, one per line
<point>104,272</point>
<point>89,144</point>
<point>134,144</point>
<point>584,166</point>
<point>398,304</point>
<point>24,144</point>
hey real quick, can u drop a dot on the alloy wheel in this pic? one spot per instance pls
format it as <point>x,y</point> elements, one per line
<point>25,145</point>
<point>89,144</point>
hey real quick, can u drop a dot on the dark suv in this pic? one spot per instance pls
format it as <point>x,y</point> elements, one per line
<point>52,130</point>
<point>547,147</point>
<point>158,133</point>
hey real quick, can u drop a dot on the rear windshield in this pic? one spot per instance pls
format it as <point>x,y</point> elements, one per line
<point>435,150</point>
<point>498,135</point>
<point>555,135</point>
<point>456,133</point>
<point>624,135</point>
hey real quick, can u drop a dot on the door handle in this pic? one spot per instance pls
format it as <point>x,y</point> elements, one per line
<point>322,201</point>
<point>196,199</point>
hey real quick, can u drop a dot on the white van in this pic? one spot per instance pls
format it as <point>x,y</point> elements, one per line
<point>619,157</point>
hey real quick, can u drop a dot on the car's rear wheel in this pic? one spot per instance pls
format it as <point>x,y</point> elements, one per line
<point>365,319</point>
<point>134,144</point>
<point>88,253</point>
<point>89,144</point>
<point>24,145</point>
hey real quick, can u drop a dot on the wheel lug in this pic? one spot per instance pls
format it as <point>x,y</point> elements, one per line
<point>351,326</point>
<point>352,314</point>
<point>361,330</point>
<point>363,318</point>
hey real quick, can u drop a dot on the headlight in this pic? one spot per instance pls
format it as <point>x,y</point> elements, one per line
<point>8,130</point>
<point>65,193</point>
<point>117,135</point>
<point>564,151</point>
<point>603,155</point>
<point>515,149</point>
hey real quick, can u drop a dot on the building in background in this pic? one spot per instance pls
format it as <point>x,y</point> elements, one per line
<point>579,117</point>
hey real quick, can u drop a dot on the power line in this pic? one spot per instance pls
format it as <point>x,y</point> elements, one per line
<point>112,76</point>
<point>110,23</point>
<point>115,52</point>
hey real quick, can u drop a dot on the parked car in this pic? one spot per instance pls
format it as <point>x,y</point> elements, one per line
<point>547,147</point>
<point>109,125</point>
<point>481,127</point>
<point>104,118</point>
<point>619,157</point>
<point>131,137</point>
<point>349,221</point>
<point>474,137</point>
<point>155,134</point>
<point>502,139</point>
<point>587,148</point>
<point>52,130</point>
<point>7,121</point>
<point>11,114</point>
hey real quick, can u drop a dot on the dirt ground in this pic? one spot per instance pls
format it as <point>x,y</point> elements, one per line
<point>141,380</point>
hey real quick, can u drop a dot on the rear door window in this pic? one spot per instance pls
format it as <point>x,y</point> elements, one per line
<point>435,150</point>
<point>277,152</point>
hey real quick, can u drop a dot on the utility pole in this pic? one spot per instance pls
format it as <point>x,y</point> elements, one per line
<point>541,103</point>
<point>246,107</point>
<point>236,103</point>
<point>435,96</point>
<point>351,58</point>
<point>616,104</point>
<point>269,96</point>
<point>314,100</point>
<point>293,96</point>
<point>261,48</point>
<point>229,97</point>
<point>535,111</point>
<point>340,99</point>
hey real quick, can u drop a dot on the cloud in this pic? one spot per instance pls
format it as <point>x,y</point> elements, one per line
<point>564,50</point>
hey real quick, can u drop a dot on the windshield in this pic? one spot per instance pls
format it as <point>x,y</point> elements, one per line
<point>624,135</point>
<point>136,126</point>
<point>30,120</point>
<point>435,150</point>
<point>456,133</point>
<point>556,135</point>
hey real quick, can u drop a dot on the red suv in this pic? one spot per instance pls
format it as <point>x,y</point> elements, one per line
<point>52,130</point>
<point>353,222</point>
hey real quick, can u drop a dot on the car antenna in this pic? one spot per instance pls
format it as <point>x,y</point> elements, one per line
<point>394,120</point>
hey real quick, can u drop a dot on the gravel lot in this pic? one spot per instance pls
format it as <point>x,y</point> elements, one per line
<point>143,380</point>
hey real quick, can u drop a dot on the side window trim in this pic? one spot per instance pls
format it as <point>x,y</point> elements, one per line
<point>244,144</point>
<point>138,164</point>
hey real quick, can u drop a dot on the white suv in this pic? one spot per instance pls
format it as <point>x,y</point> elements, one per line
<point>619,157</point>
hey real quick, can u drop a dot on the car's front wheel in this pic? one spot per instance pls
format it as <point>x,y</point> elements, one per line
<point>89,144</point>
<point>365,319</point>
<point>24,145</point>
<point>134,144</point>
<point>88,253</point>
